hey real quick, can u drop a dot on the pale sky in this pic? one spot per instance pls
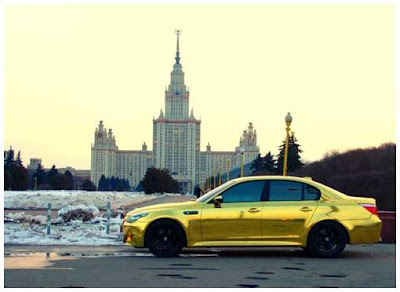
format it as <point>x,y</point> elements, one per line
<point>69,66</point>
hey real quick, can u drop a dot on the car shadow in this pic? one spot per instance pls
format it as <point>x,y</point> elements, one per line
<point>269,252</point>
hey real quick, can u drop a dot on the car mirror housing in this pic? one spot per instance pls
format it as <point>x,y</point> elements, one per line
<point>218,200</point>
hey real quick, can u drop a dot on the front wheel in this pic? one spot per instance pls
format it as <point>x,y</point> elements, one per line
<point>165,239</point>
<point>327,239</point>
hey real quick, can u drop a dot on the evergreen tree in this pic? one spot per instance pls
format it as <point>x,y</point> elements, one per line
<point>8,167</point>
<point>70,180</point>
<point>269,162</point>
<point>125,185</point>
<point>40,177</point>
<point>88,185</point>
<point>53,171</point>
<point>119,185</point>
<point>159,181</point>
<point>113,184</point>
<point>139,187</point>
<point>293,160</point>
<point>257,164</point>
<point>9,161</point>
<point>7,179</point>
<point>107,184</point>
<point>15,174</point>
<point>58,181</point>
<point>19,174</point>
<point>102,183</point>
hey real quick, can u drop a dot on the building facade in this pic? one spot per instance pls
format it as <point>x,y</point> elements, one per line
<point>176,144</point>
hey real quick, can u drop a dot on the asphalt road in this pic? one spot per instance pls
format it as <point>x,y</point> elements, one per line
<point>123,266</point>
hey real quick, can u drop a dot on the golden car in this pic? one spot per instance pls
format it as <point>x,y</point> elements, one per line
<point>257,211</point>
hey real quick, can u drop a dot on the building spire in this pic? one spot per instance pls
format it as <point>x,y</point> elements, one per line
<point>177,58</point>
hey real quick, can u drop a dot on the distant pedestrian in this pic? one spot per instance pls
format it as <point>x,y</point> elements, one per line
<point>198,191</point>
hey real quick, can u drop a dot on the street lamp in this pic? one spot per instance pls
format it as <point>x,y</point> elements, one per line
<point>227,170</point>
<point>219,176</point>
<point>241,161</point>
<point>288,120</point>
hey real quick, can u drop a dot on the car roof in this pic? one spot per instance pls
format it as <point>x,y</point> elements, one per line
<point>273,177</point>
<point>331,193</point>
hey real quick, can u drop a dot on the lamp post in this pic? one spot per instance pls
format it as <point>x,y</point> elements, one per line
<point>241,161</point>
<point>227,170</point>
<point>215,179</point>
<point>219,176</point>
<point>288,120</point>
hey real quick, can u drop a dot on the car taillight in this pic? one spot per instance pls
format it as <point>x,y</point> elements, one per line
<point>371,208</point>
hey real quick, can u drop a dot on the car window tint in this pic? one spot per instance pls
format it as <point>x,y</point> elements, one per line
<point>311,193</point>
<point>285,191</point>
<point>244,192</point>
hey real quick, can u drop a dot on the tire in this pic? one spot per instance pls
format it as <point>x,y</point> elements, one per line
<point>327,239</point>
<point>165,238</point>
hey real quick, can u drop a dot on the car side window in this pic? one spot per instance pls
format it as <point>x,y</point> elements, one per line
<point>285,191</point>
<point>281,190</point>
<point>311,193</point>
<point>244,192</point>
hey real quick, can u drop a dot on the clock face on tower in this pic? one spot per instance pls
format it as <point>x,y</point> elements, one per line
<point>99,136</point>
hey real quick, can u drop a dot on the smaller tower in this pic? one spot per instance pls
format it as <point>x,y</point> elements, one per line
<point>144,147</point>
<point>248,141</point>
<point>103,154</point>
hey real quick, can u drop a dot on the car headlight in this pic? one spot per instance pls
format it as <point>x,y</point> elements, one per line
<point>136,217</point>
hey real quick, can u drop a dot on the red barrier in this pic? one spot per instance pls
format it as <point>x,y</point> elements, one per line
<point>388,233</point>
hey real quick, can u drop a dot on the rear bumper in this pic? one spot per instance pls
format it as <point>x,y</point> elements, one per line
<point>364,231</point>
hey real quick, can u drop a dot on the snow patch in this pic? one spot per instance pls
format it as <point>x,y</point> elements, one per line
<point>21,217</point>
<point>62,199</point>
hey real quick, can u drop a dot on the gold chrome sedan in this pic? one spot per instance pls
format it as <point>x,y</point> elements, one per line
<point>257,211</point>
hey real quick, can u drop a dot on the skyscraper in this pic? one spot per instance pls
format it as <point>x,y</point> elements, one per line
<point>176,135</point>
<point>176,144</point>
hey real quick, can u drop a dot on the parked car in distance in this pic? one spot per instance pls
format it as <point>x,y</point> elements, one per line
<point>257,211</point>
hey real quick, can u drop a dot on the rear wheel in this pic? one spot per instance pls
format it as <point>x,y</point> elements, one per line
<point>327,239</point>
<point>165,238</point>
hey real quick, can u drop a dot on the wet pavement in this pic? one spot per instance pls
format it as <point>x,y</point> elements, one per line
<point>123,266</point>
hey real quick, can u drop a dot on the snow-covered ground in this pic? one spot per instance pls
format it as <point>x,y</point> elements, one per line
<point>25,229</point>
<point>60,199</point>
<point>78,233</point>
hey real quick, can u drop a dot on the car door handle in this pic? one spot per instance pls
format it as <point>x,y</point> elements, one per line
<point>305,209</point>
<point>253,210</point>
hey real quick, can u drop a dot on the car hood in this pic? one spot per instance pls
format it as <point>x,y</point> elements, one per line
<point>163,206</point>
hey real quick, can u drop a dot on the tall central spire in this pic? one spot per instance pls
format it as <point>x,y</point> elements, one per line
<point>177,58</point>
<point>177,85</point>
<point>177,95</point>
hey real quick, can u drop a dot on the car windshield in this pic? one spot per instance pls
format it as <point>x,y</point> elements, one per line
<point>211,193</point>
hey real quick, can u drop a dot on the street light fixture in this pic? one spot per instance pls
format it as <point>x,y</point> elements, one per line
<point>219,175</point>
<point>288,120</point>
<point>242,149</point>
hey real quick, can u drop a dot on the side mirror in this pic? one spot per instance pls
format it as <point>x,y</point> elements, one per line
<point>218,200</point>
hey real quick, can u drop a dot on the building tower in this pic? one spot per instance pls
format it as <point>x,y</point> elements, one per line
<point>176,135</point>
<point>104,154</point>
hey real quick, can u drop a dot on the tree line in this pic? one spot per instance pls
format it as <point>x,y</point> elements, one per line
<point>369,172</point>
<point>17,178</point>
<point>269,165</point>
<point>15,174</point>
<point>113,184</point>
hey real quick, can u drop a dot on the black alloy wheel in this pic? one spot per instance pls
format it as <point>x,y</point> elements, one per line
<point>327,239</point>
<point>165,239</point>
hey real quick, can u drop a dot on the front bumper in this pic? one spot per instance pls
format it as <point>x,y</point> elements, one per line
<point>133,233</point>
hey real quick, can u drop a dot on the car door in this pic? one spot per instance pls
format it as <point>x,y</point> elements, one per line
<point>239,218</point>
<point>289,207</point>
